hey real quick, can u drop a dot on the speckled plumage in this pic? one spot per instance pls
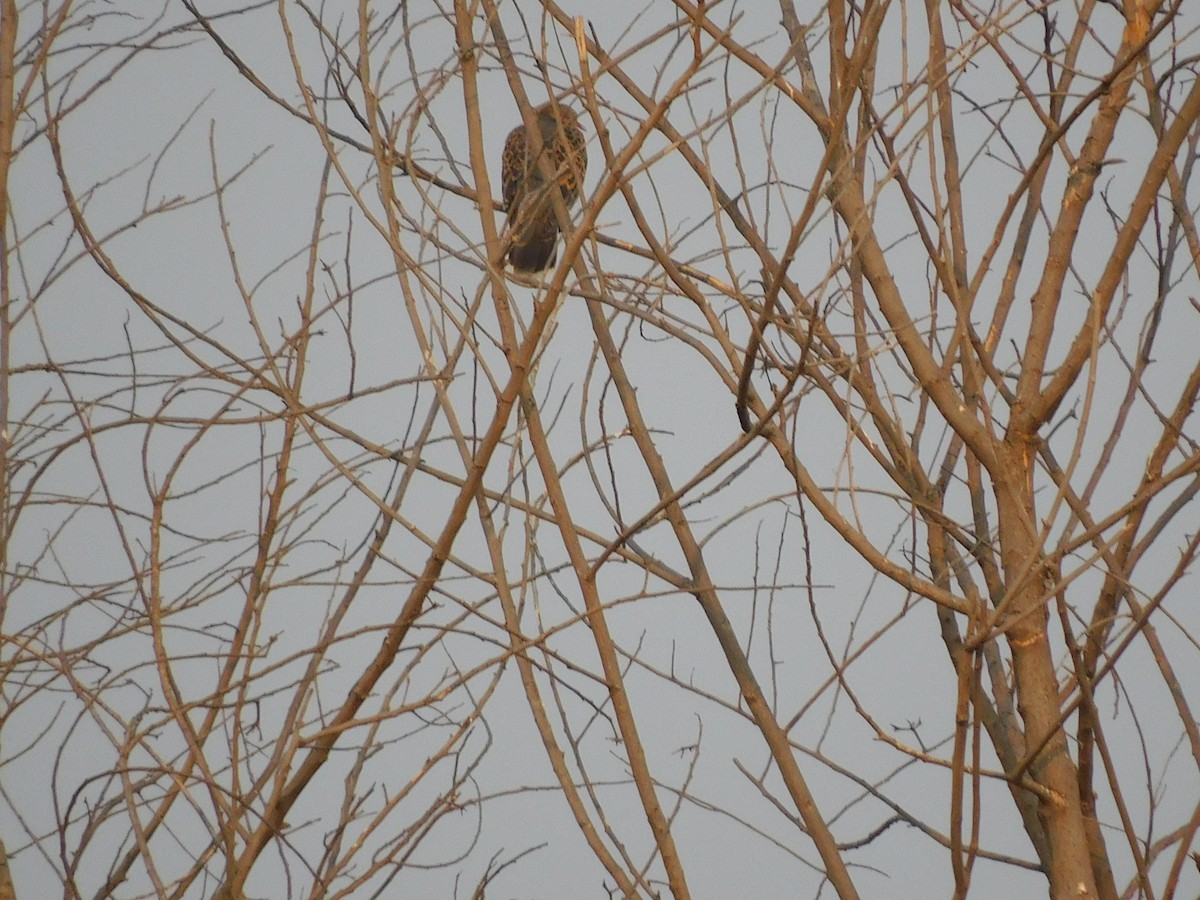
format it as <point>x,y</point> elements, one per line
<point>531,217</point>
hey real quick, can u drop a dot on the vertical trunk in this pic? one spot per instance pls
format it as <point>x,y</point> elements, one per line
<point>1026,626</point>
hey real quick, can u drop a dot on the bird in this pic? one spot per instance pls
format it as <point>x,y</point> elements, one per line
<point>533,223</point>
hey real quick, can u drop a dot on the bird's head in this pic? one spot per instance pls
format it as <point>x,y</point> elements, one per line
<point>555,119</point>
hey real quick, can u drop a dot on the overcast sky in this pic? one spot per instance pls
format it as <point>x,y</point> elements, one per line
<point>147,148</point>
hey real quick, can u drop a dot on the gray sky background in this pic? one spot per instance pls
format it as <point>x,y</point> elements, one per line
<point>734,842</point>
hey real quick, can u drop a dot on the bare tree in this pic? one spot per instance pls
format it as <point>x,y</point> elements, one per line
<point>817,524</point>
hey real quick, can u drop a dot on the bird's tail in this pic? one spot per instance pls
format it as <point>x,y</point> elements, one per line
<point>534,241</point>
